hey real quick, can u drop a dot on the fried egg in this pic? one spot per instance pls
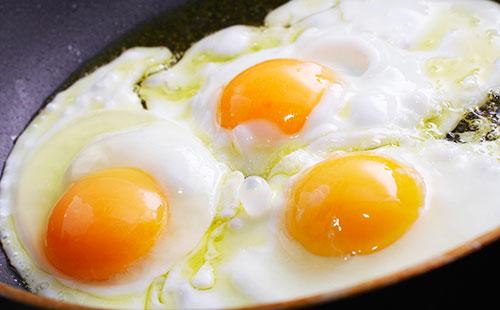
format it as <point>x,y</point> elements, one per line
<point>94,229</point>
<point>331,258</point>
<point>384,67</point>
<point>267,164</point>
<point>398,217</point>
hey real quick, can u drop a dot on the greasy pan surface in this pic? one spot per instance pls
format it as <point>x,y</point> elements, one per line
<point>42,43</point>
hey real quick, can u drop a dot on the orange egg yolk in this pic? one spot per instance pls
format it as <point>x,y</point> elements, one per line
<point>353,204</point>
<point>105,223</point>
<point>281,91</point>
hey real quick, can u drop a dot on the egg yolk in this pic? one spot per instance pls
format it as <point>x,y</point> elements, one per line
<point>104,223</point>
<point>281,91</point>
<point>353,204</point>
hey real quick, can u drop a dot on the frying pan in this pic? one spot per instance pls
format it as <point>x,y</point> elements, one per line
<point>47,45</point>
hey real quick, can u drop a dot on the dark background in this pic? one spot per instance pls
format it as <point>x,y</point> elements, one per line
<point>42,43</point>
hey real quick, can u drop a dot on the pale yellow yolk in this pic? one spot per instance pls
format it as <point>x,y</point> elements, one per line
<point>104,223</point>
<point>281,91</point>
<point>353,204</point>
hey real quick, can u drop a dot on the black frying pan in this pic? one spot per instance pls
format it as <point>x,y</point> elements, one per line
<point>47,45</point>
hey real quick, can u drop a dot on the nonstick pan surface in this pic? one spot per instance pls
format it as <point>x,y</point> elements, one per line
<point>47,45</point>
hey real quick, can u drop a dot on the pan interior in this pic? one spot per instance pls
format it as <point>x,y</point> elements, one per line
<point>172,28</point>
